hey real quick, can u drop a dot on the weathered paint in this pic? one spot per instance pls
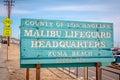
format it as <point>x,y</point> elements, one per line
<point>57,43</point>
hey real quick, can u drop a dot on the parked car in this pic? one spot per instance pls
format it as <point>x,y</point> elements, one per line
<point>117,59</point>
<point>116,53</point>
<point>4,41</point>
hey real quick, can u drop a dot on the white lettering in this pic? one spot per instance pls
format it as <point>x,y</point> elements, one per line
<point>34,44</point>
<point>28,32</point>
<point>57,54</point>
<point>81,53</point>
<point>39,23</point>
<point>67,44</point>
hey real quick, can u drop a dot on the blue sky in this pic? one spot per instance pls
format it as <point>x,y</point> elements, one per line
<point>77,10</point>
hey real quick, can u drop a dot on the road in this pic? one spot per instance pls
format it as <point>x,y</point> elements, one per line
<point>4,73</point>
<point>92,73</point>
<point>0,45</point>
<point>2,52</point>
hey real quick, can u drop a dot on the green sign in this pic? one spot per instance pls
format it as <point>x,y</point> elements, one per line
<point>57,43</point>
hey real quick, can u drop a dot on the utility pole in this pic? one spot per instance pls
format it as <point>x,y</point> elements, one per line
<point>9,3</point>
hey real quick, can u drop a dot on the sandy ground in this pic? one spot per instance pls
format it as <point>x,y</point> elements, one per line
<point>16,73</point>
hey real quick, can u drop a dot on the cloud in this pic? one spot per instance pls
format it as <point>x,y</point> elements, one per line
<point>77,8</point>
<point>3,11</point>
<point>114,19</point>
<point>20,11</point>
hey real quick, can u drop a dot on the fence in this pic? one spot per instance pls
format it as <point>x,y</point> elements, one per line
<point>76,73</point>
<point>114,71</point>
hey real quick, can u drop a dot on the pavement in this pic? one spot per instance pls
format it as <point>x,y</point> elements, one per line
<point>4,73</point>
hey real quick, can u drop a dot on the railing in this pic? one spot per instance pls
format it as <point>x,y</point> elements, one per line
<point>76,73</point>
<point>115,71</point>
<point>73,73</point>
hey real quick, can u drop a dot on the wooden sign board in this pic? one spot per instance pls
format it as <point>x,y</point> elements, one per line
<point>57,43</point>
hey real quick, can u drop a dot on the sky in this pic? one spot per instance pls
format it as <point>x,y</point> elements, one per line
<point>75,10</point>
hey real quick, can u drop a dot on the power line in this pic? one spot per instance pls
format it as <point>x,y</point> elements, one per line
<point>9,3</point>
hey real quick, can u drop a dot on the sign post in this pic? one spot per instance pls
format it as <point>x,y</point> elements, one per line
<point>37,71</point>
<point>98,74</point>
<point>27,74</point>
<point>7,31</point>
<point>85,73</point>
